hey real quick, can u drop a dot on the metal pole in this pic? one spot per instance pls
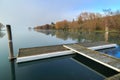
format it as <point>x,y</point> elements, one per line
<point>11,54</point>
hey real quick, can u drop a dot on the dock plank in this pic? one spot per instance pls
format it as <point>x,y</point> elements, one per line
<point>103,59</point>
<point>23,52</point>
<point>36,53</point>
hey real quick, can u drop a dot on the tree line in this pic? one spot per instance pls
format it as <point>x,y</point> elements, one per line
<point>88,21</point>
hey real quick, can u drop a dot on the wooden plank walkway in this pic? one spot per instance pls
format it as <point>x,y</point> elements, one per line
<point>98,45</point>
<point>30,54</point>
<point>23,52</point>
<point>103,59</point>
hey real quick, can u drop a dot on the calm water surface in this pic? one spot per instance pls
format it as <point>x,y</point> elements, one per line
<point>112,51</point>
<point>42,69</point>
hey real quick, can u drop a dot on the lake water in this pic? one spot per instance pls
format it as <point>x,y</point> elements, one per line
<point>112,51</point>
<point>30,38</point>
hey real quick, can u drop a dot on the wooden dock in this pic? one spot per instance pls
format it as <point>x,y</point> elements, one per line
<point>103,59</point>
<point>35,53</point>
<point>30,54</point>
<point>84,49</point>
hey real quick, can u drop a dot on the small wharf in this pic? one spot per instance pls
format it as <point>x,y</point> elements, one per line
<point>85,49</point>
<point>35,53</point>
<point>30,54</point>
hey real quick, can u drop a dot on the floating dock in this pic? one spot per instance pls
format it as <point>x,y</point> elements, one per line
<point>35,53</point>
<point>103,59</point>
<point>30,54</point>
<point>85,49</point>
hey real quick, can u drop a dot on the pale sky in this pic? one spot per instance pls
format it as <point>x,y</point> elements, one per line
<point>30,13</point>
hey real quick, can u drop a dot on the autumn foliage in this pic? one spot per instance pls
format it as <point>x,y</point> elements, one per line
<point>88,21</point>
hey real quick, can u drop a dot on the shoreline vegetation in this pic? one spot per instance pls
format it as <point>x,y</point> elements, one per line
<point>88,21</point>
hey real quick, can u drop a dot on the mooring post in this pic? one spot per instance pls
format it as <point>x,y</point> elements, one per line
<point>106,29</point>
<point>106,33</point>
<point>106,36</point>
<point>11,53</point>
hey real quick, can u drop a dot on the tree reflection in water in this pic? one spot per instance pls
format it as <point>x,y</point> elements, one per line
<point>83,36</point>
<point>2,34</point>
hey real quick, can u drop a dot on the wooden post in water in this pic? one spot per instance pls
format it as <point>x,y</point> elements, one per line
<point>106,36</point>
<point>106,33</point>
<point>11,54</point>
<point>106,29</point>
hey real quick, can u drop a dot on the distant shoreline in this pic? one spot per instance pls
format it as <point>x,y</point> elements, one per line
<point>77,30</point>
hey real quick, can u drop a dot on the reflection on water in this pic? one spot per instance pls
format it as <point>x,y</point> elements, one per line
<point>59,68</point>
<point>112,51</point>
<point>13,75</point>
<point>69,67</point>
<point>112,37</point>
<point>41,70</point>
<point>106,36</point>
<point>2,34</point>
<point>24,64</point>
<point>83,36</point>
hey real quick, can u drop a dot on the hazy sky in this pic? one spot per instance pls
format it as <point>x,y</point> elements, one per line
<point>29,13</point>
